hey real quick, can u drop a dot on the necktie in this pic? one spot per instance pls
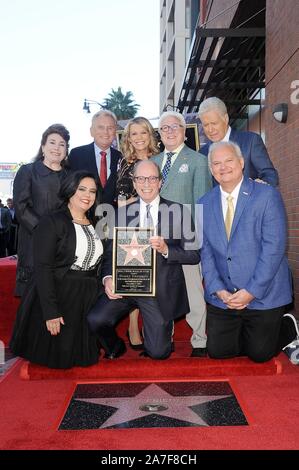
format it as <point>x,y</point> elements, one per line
<point>229,217</point>
<point>149,220</point>
<point>103,170</point>
<point>167,167</point>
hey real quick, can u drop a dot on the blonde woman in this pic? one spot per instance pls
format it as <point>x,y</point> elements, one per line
<point>139,142</point>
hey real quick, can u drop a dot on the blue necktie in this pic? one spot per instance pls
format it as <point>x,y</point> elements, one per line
<point>167,167</point>
<point>149,219</point>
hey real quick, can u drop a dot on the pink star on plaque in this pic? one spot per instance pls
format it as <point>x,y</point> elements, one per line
<point>134,250</point>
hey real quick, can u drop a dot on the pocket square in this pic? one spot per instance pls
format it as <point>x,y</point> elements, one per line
<point>184,168</point>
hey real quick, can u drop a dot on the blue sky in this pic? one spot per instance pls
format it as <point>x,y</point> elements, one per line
<point>55,54</point>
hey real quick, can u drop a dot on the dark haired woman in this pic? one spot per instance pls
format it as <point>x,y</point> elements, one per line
<point>51,327</point>
<point>36,192</point>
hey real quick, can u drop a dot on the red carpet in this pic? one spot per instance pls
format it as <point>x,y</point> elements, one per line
<point>31,410</point>
<point>147,369</point>
<point>8,303</point>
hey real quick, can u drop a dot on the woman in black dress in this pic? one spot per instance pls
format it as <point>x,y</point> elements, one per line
<point>139,142</point>
<point>36,192</point>
<point>51,327</point>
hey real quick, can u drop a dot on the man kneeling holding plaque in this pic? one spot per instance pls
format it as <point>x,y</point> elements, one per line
<point>164,296</point>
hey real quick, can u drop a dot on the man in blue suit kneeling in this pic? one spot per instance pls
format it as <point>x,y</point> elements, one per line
<point>246,273</point>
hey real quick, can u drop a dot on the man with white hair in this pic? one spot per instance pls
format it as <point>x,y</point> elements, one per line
<point>246,274</point>
<point>99,157</point>
<point>185,178</point>
<point>215,121</point>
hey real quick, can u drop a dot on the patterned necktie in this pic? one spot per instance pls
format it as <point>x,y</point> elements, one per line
<point>103,170</point>
<point>167,167</point>
<point>229,217</point>
<point>149,220</point>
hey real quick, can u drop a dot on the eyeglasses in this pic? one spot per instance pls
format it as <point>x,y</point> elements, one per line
<point>106,128</point>
<point>173,127</point>
<point>143,179</point>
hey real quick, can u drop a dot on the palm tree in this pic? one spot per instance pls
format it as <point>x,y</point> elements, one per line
<point>123,106</point>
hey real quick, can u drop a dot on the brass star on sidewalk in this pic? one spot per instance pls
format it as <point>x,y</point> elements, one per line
<point>128,408</point>
<point>134,250</point>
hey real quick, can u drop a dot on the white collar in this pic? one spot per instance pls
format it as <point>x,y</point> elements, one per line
<point>234,193</point>
<point>227,135</point>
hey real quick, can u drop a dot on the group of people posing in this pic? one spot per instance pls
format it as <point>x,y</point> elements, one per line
<point>234,245</point>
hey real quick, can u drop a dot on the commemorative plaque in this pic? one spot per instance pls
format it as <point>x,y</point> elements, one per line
<point>134,262</point>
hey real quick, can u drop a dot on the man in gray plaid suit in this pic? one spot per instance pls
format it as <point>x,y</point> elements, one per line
<point>185,178</point>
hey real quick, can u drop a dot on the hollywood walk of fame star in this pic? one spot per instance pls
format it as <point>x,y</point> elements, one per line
<point>128,408</point>
<point>134,250</point>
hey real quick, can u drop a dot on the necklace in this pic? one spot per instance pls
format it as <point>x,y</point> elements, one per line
<point>78,218</point>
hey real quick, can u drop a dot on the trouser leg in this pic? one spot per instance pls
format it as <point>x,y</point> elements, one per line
<point>157,330</point>
<point>224,327</point>
<point>196,318</point>
<point>261,332</point>
<point>103,317</point>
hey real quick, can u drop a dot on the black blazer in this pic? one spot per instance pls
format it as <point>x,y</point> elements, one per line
<point>171,290</point>
<point>83,158</point>
<point>35,193</point>
<point>54,247</point>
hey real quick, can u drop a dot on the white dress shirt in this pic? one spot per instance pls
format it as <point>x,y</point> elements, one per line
<point>174,156</point>
<point>153,210</point>
<point>99,156</point>
<point>234,194</point>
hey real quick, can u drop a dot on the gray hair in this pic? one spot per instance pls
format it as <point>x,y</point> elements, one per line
<point>212,104</point>
<point>174,114</point>
<point>104,112</point>
<point>149,162</point>
<point>232,145</point>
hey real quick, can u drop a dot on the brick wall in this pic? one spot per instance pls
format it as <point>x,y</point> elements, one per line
<point>282,140</point>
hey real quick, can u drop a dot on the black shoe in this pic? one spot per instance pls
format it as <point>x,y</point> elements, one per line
<point>136,347</point>
<point>144,354</point>
<point>172,348</point>
<point>199,352</point>
<point>119,350</point>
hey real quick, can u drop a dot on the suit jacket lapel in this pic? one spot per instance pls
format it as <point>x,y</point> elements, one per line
<point>136,210</point>
<point>217,206</point>
<point>243,198</point>
<point>232,135</point>
<point>113,162</point>
<point>162,201</point>
<point>69,248</point>
<point>91,160</point>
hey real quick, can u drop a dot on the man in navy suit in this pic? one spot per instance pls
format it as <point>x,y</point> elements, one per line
<point>215,121</point>
<point>175,245</point>
<point>246,274</point>
<point>99,157</point>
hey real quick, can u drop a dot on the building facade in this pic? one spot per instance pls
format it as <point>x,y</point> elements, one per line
<point>177,23</point>
<point>282,86</point>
